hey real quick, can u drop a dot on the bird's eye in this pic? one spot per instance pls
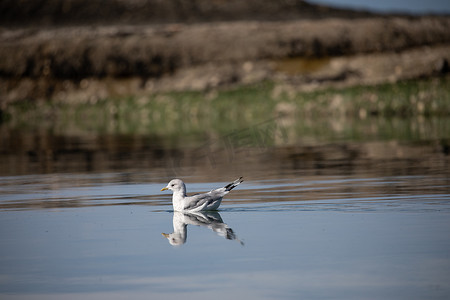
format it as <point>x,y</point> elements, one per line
<point>172,184</point>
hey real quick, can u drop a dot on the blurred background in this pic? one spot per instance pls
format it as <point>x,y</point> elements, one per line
<point>140,84</point>
<point>386,6</point>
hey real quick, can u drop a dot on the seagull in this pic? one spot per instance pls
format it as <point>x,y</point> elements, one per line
<point>198,202</point>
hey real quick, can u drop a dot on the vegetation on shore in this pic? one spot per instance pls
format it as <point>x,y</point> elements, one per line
<point>197,113</point>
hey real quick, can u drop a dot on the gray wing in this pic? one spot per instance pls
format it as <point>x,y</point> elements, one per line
<point>205,199</point>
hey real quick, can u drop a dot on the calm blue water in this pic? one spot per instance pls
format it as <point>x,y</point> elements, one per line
<point>314,219</point>
<point>98,236</point>
<point>409,6</point>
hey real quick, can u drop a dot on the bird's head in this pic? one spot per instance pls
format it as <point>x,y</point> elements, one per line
<point>175,185</point>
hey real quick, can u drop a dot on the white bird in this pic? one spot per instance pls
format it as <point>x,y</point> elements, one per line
<point>198,202</point>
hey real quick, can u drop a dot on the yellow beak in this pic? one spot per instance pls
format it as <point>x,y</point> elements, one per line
<point>165,235</point>
<point>164,189</point>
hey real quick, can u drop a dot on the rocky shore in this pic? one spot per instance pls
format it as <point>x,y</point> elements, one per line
<point>82,57</point>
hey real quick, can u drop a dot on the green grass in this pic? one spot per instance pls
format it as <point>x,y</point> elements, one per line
<point>349,112</point>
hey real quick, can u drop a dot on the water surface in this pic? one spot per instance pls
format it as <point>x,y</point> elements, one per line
<point>82,217</point>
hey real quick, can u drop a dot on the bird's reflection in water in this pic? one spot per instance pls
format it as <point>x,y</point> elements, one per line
<point>211,219</point>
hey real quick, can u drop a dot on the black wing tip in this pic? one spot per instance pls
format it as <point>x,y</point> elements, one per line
<point>235,183</point>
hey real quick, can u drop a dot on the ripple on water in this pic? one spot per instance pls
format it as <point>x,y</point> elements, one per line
<point>338,193</point>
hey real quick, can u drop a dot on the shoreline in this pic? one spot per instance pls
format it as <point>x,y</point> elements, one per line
<point>251,104</point>
<point>84,63</point>
<point>206,47</point>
